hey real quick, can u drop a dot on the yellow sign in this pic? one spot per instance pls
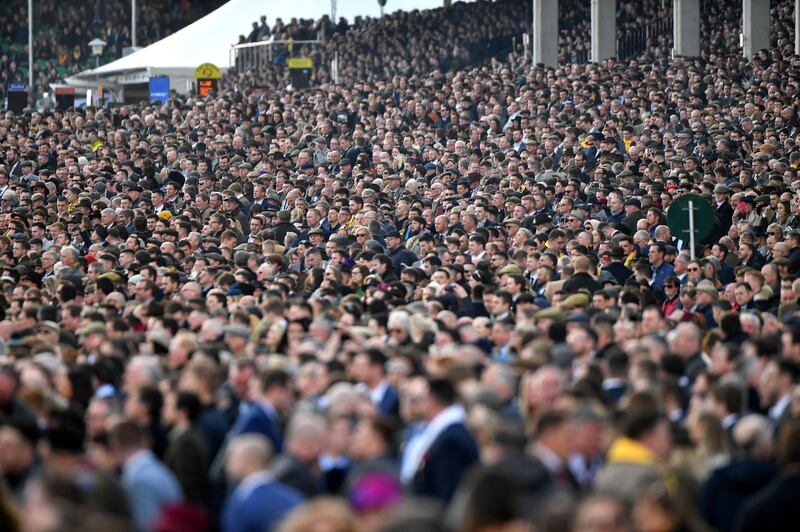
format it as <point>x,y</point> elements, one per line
<point>207,71</point>
<point>300,62</point>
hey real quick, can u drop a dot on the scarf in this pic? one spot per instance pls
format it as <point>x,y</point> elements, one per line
<point>419,446</point>
<point>626,450</point>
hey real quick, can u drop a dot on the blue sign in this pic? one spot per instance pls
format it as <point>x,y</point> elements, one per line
<point>17,87</point>
<point>159,89</point>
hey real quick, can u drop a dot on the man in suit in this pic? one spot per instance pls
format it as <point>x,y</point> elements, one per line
<point>445,449</point>
<point>369,368</point>
<point>298,465</point>
<point>271,396</point>
<point>723,207</point>
<point>149,484</point>
<point>774,507</point>
<point>752,469</point>
<point>775,388</point>
<point>259,502</point>
<point>553,447</point>
<point>187,453</point>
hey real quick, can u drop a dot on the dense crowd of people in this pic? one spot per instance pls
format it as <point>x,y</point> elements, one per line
<point>401,43</point>
<point>438,298</point>
<point>62,31</point>
<point>466,35</point>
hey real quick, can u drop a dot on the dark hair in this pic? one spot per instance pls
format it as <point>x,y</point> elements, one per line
<point>376,357</point>
<point>65,431</point>
<point>789,443</point>
<point>789,367</point>
<point>729,394</point>
<point>274,378</point>
<point>442,391</point>
<point>641,422</point>
<point>153,401</point>
<point>190,403</point>
<point>551,420</point>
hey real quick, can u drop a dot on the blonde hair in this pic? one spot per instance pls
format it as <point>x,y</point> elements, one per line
<point>327,513</point>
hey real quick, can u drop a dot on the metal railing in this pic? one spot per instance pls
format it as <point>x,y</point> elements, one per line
<point>635,41</point>
<point>265,54</point>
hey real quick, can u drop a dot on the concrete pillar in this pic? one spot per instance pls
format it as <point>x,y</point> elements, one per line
<point>796,27</point>
<point>545,32</point>
<point>604,29</point>
<point>686,28</point>
<point>755,26</point>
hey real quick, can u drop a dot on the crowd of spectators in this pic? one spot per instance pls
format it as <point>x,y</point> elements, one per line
<point>62,31</point>
<point>436,299</point>
<point>469,35</point>
<point>401,43</point>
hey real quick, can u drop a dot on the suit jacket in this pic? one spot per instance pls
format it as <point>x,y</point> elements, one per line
<point>729,487</point>
<point>187,457</point>
<point>725,215</point>
<point>620,272</point>
<point>389,405</point>
<point>258,419</point>
<point>289,471</point>
<point>213,426</point>
<point>281,229</point>
<point>443,465</point>
<point>773,508</point>
<point>258,504</point>
<point>581,280</point>
<point>150,486</point>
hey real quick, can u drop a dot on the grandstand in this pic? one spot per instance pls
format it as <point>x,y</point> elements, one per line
<point>522,266</point>
<point>644,31</point>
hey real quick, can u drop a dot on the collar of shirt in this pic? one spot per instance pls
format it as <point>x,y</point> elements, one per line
<point>549,459</point>
<point>251,482</point>
<point>777,409</point>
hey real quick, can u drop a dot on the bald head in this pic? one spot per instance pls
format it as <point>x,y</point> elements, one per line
<point>247,454</point>
<point>581,264</point>
<point>753,435</point>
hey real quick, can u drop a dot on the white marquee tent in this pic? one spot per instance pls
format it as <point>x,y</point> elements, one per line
<point>209,39</point>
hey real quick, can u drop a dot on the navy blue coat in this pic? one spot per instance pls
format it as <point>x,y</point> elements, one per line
<point>389,404</point>
<point>773,508</point>
<point>443,465</point>
<point>259,509</point>
<point>402,257</point>
<point>257,420</point>
<point>728,487</point>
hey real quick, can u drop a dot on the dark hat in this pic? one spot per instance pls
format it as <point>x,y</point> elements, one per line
<point>392,234</point>
<point>634,202</point>
<point>315,232</point>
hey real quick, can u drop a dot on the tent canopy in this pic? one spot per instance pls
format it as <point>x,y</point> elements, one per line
<point>209,39</point>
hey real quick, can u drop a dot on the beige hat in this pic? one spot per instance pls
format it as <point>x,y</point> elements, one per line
<point>707,287</point>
